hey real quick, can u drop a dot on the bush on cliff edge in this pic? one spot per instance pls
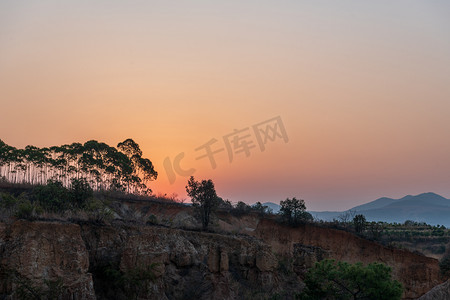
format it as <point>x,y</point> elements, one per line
<point>329,279</point>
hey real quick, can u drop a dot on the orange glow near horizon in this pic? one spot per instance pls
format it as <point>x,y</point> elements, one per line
<point>362,89</point>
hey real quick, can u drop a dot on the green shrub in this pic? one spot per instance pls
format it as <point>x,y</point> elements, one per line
<point>329,279</point>
<point>98,211</point>
<point>8,203</point>
<point>25,209</point>
<point>152,219</point>
<point>52,197</point>
<point>445,265</point>
<point>80,191</point>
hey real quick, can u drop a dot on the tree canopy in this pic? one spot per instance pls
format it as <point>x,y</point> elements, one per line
<point>294,211</point>
<point>329,279</point>
<point>262,209</point>
<point>359,221</point>
<point>204,198</point>
<point>102,166</point>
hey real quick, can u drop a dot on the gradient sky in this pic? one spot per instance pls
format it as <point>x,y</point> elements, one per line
<point>362,88</point>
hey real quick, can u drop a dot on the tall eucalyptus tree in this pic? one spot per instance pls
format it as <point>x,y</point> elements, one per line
<point>102,166</point>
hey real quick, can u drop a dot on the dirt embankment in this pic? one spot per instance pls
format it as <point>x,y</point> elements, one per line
<point>33,253</point>
<point>272,259</point>
<point>184,264</point>
<point>417,273</point>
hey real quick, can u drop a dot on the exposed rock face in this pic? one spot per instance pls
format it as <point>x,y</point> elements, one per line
<point>439,292</point>
<point>266,262</point>
<point>43,251</point>
<point>188,264</point>
<point>418,274</point>
<point>305,257</point>
<point>168,263</point>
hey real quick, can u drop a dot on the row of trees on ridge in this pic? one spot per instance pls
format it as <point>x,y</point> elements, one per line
<point>104,167</point>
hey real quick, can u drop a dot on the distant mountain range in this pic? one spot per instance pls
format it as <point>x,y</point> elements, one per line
<point>430,208</point>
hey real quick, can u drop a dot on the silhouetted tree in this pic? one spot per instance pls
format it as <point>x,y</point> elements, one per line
<point>376,229</point>
<point>359,221</point>
<point>242,208</point>
<point>102,166</point>
<point>294,211</point>
<point>346,217</point>
<point>204,198</point>
<point>225,204</point>
<point>262,209</point>
<point>142,167</point>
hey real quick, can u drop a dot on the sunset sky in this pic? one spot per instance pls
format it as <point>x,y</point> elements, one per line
<point>361,87</point>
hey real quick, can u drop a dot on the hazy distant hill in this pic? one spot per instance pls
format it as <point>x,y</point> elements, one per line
<point>379,203</point>
<point>275,207</point>
<point>430,208</point>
